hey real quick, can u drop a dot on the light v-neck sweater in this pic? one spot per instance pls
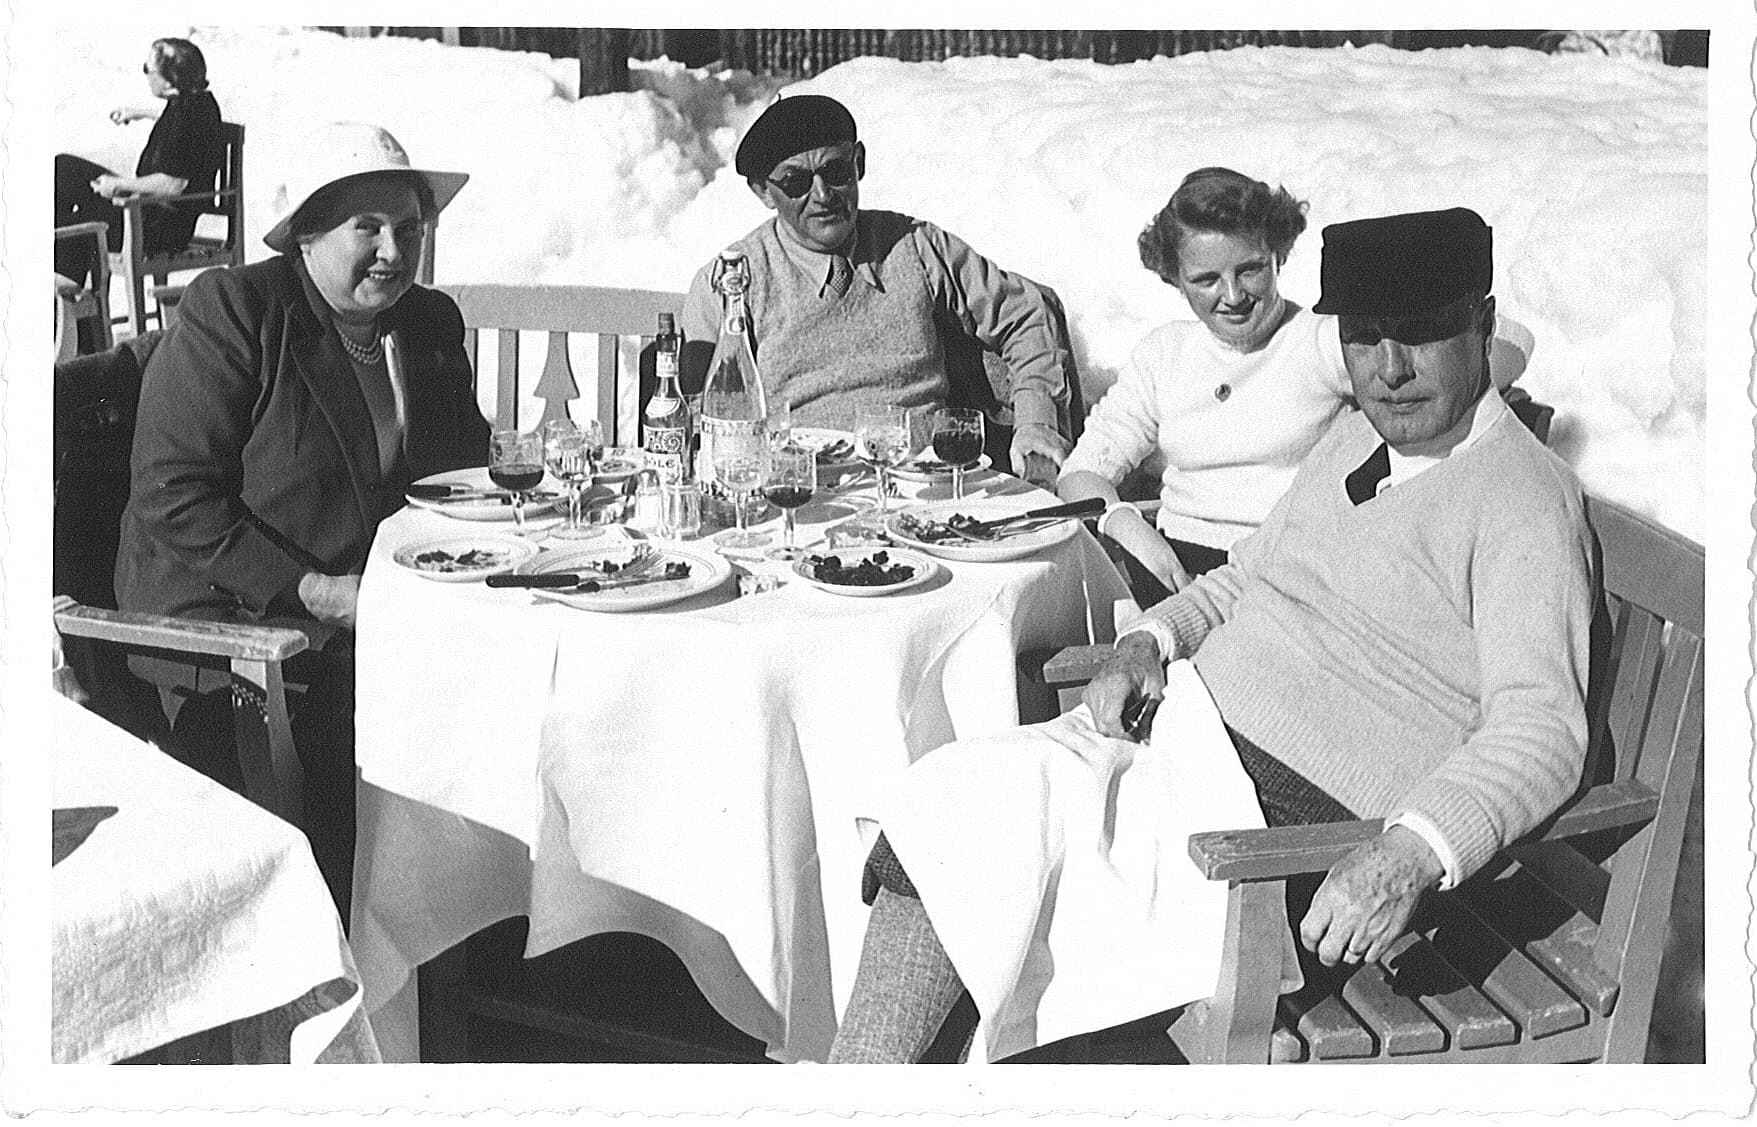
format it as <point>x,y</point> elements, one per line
<point>1423,652</point>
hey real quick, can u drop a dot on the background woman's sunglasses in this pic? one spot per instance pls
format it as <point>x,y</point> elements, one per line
<point>796,182</point>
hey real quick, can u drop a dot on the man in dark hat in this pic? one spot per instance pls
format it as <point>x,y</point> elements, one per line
<point>1405,638</point>
<point>856,307</point>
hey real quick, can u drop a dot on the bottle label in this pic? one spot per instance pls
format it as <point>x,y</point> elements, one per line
<point>666,449</point>
<point>720,434</point>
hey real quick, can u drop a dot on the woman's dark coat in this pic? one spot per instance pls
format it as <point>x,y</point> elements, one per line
<point>254,455</point>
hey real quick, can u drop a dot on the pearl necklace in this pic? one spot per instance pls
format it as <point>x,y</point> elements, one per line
<point>362,354</point>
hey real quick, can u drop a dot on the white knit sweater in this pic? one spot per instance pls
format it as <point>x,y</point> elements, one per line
<point>1229,456</point>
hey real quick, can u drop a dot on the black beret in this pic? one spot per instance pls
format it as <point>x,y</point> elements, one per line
<point>1403,265</point>
<point>789,127</point>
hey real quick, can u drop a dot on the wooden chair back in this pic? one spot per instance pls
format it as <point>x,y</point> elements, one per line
<point>1552,952</point>
<point>558,312</point>
<point>95,399</point>
<point>90,304</point>
<point>203,251</point>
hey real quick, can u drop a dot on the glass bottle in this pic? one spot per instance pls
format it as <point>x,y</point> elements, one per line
<point>733,410</point>
<point>666,424</point>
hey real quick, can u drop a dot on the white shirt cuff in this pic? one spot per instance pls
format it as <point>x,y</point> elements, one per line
<point>1425,829</point>
<point>1161,634</point>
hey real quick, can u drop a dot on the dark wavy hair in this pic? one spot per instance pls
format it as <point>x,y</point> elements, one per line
<point>1231,203</point>
<point>180,63</point>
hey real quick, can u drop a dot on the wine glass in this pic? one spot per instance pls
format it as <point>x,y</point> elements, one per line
<point>570,453</point>
<point>957,441</point>
<point>789,484</point>
<point>881,438</point>
<point>738,466</point>
<point>515,464</point>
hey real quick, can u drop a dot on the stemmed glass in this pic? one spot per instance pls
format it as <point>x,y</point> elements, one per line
<point>789,484</point>
<point>957,441</point>
<point>515,464</point>
<point>571,451</point>
<point>739,467</point>
<point>881,438</point>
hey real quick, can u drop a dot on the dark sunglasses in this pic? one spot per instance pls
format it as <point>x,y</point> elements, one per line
<point>796,182</point>
<point>1426,328</point>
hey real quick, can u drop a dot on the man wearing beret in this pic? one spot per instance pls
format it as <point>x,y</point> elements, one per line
<point>1405,638</point>
<point>852,307</point>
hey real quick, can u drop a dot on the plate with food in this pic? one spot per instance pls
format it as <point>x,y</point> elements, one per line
<point>470,495</point>
<point>618,464</point>
<point>865,572</point>
<point>463,559</point>
<point>627,576</point>
<point>932,528</point>
<point>834,448</point>
<point>930,469</point>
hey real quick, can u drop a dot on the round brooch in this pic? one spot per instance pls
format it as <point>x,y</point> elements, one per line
<point>1223,392</point>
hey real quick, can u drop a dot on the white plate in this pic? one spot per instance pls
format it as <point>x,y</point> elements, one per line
<point>925,569</point>
<point>820,438</point>
<point>503,554</point>
<point>927,469</point>
<point>491,509</point>
<point>706,572</point>
<point>1011,548</point>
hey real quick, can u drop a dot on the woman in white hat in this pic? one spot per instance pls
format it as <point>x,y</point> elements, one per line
<point>282,419</point>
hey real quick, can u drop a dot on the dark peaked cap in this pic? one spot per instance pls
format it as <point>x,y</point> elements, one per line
<point>1403,265</point>
<point>789,127</point>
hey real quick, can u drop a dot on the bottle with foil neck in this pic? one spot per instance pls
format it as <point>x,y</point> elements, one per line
<point>733,408</point>
<point>665,423</point>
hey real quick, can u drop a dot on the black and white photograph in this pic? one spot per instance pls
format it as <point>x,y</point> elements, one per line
<point>566,559</point>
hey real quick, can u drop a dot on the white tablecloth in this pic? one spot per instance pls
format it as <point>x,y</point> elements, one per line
<point>691,773</point>
<point>188,909</point>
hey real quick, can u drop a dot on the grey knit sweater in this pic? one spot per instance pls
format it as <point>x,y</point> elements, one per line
<point>1425,651</point>
<point>883,341</point>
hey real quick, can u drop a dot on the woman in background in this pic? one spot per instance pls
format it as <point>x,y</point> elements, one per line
<point>1231,401</point>
<point>182,154</point>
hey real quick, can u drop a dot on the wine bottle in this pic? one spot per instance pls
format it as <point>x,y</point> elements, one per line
<point>733,408</point>
<point>665,424</point>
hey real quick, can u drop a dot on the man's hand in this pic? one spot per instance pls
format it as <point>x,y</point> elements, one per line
<point>1037,438</point>
<point>330,598</point>
<point>1365,903</point>
<point>1135,670</point>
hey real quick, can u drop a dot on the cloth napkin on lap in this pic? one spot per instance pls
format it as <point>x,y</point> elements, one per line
<point>1053,862</point>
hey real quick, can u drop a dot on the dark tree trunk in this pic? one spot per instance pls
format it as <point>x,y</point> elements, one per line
<point>603,60</point>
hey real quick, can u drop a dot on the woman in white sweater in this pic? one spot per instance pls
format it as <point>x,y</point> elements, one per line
<point>1232,401</point>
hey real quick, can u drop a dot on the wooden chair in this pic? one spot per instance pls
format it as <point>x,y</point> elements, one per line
<point>203,251</point>
<point>95,398</point>
<point>558,312</point>
<point>90,304</point>
<point>1552,953</point>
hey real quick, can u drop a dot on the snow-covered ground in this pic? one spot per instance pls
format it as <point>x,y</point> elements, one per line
<point>1592,170</point>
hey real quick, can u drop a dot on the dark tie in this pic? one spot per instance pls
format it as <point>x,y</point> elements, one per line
<point>1363,482</point>
<point>841,275</point>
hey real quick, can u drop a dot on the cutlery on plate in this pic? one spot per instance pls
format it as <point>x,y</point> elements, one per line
<point>449,494</point>
<point>987,530</point>
<point>642,561</point>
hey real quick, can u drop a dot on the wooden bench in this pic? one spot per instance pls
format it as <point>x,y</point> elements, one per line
<point>1552,953</point>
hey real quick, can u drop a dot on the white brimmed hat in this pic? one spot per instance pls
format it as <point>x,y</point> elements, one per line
<point>340,151</point>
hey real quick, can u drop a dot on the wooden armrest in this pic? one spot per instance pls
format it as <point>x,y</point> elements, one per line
<point>1266,854</point>
<point>1075,665</point>
<point>95,227</point>
<point>133,203</point>
<point>189,635</point>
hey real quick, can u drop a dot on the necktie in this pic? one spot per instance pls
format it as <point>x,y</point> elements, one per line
<point>1363,481</point>
<point>841,275</point>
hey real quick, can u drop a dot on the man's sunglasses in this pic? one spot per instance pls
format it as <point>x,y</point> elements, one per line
<point>1424,328</point>
<point>795,183</point>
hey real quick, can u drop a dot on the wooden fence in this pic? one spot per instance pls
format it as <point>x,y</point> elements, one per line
<point>802,52</point>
